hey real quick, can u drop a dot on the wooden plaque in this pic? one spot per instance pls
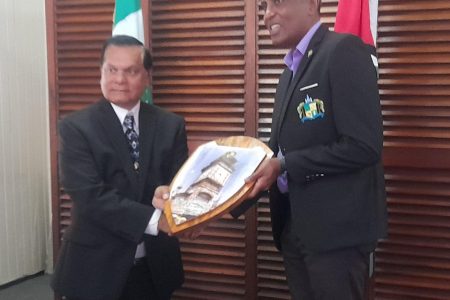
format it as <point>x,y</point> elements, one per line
<point>238,143</point>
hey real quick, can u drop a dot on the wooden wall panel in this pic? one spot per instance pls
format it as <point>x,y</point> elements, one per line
<point>198,49</point>
<point>82,27</point>
<point>200,70</point>
<point>414,50</point>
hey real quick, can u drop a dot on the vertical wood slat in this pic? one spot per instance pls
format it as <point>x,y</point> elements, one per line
<point>250,116</point>
<point>50,11</point>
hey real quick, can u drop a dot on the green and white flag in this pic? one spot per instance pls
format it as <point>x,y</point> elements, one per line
<point>128,20</point>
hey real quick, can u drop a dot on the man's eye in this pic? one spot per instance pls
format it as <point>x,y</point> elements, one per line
<point>131,72</point>
<point>112,70</point>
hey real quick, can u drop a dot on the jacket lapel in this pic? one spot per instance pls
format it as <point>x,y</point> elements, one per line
<point>147,125</point>
<point>308,56</point>
<point>114,131</point>
<point>278,106</point>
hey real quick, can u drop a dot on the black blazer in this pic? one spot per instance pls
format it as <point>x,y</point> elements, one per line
<point>335,175</point>
<point>112,203</point>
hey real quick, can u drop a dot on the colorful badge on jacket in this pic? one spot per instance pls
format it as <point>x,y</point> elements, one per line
<point>310,109</point>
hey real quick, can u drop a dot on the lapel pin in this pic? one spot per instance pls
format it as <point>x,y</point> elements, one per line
<point>310,52</point>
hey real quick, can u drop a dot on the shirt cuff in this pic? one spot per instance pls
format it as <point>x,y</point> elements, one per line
<point>152,227</point>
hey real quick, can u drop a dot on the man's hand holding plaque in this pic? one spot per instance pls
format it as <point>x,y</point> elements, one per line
<point>160,198</point>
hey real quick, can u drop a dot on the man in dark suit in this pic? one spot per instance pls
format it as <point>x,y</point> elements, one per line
<point>326,185</point>
<point>113,155</point>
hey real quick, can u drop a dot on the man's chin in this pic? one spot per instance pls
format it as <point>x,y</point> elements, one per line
<point>126,103</point>
<point>118,101</point>
<point>278,43</point>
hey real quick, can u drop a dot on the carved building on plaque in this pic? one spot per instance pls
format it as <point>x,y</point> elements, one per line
<point>202,195</point>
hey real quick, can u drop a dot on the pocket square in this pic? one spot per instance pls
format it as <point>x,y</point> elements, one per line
<point>309,87</point>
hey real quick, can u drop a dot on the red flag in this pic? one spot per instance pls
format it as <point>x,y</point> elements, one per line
<point>358,17</point>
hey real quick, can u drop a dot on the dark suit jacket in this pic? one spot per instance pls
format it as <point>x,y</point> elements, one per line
<point>336,182</point>
<point>112,203</point>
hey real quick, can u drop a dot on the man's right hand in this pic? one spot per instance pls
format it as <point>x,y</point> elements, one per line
<point>159,200</point>
<point>264,176</point>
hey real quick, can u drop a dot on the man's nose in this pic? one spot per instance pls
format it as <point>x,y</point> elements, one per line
<point>269,11</point>
<point>120,76</point>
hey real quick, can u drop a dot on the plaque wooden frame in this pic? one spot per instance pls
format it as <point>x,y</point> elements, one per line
<point>230,203</point>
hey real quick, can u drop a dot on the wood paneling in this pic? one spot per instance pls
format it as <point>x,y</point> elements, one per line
<point>81,28</point>
<point>202,70</point>
<point>199,65</point>
<point>214,64</point>
<point>413,47</point>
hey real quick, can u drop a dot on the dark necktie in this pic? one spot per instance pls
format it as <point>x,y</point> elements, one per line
<point>133,140</point>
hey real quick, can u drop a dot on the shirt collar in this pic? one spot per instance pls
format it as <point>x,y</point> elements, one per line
<point>291,58</point>
<point>122,113</point>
